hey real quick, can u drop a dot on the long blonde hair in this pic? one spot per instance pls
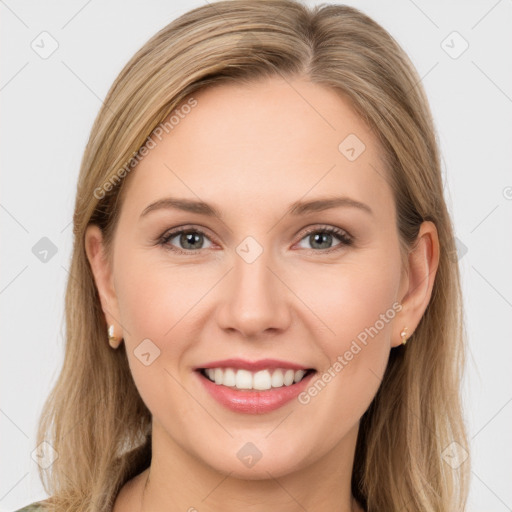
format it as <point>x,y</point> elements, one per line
<point>95,418</point>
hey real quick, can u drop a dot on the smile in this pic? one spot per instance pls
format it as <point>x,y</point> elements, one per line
<point>272,378</point>
<point>253,387</point>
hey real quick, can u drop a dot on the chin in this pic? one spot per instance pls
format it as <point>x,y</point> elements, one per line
<point>266,466</point>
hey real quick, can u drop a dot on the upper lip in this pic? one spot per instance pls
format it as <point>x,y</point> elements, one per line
<point>261,364</point>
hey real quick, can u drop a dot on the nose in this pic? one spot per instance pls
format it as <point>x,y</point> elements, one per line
<point>256,301</point>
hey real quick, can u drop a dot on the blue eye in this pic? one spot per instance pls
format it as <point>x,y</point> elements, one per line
<point>191,239</point>
<point>320,236</point>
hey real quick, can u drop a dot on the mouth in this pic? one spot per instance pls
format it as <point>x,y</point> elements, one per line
<point>253,387</point>
<point>261,380</point>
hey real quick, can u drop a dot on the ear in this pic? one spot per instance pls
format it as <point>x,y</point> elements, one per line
<point>418,281</point>
<point>103,277</point>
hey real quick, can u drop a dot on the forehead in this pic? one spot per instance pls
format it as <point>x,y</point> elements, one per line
<point>269,142</point>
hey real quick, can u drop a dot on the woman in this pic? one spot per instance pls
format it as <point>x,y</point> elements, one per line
<point>216,356</point>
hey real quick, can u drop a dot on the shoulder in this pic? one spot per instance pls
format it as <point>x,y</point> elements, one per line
<point>36,506</point>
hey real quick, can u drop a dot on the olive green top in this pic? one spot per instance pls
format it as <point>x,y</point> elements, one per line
<point>36,506</point>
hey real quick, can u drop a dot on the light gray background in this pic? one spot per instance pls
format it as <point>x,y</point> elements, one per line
<point>48,107</point>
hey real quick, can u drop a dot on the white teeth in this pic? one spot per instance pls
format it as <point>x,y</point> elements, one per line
<point>298,375</point>
<point>288,377</point>
<point>243,379</point>
<point>229,377</point>
<point>277,379</point>
<point>261,380</point>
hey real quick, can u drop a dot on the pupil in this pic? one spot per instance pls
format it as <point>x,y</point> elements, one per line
<point>325,236</point>
<point>189,238</point>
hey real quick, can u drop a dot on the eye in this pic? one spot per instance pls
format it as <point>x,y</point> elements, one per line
<point>190,239</point>
<point>323,237</point>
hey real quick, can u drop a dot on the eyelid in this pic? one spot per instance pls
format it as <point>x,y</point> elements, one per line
<point>345,238</point>
<point>173,232</point>
<point>328,228</point>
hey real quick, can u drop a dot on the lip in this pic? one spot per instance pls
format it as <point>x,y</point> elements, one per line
<point>253,366</point>
<point>253,402</point>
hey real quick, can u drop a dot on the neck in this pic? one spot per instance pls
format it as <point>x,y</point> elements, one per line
<point>325,484</point>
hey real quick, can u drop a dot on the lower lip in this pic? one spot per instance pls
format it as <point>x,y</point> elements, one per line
<point>254,402</point>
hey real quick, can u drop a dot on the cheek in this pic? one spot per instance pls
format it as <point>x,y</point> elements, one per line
<point>363,296</point>
<point>359,308</point>
<point>155,300</point>
<point>351,298</point>
<point>156,303</point>
<point>161,302</point>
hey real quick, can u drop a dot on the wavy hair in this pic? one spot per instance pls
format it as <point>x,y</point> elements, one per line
<point>94,416</point>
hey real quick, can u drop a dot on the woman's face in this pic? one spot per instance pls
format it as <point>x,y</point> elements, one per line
<point>251,282</point>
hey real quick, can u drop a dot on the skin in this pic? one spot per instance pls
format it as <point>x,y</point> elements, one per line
<point>251,151</point>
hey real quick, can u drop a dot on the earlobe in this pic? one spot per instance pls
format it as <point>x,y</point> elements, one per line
<point>423,261</point>
<point>102,272</point>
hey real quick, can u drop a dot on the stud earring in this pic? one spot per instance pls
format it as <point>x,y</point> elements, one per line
<point>112,340</point>
<point>403,334</point>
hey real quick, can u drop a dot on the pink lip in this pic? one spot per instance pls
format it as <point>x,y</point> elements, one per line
<point>253,402</point>
<point>252,366</point>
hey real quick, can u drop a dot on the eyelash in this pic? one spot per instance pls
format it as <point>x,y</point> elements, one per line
<point>343,237</point>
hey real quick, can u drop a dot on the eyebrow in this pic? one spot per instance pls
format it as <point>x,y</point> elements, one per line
<point>297,208</point>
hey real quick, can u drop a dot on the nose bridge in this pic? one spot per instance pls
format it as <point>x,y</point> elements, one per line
<point>256,299</point>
